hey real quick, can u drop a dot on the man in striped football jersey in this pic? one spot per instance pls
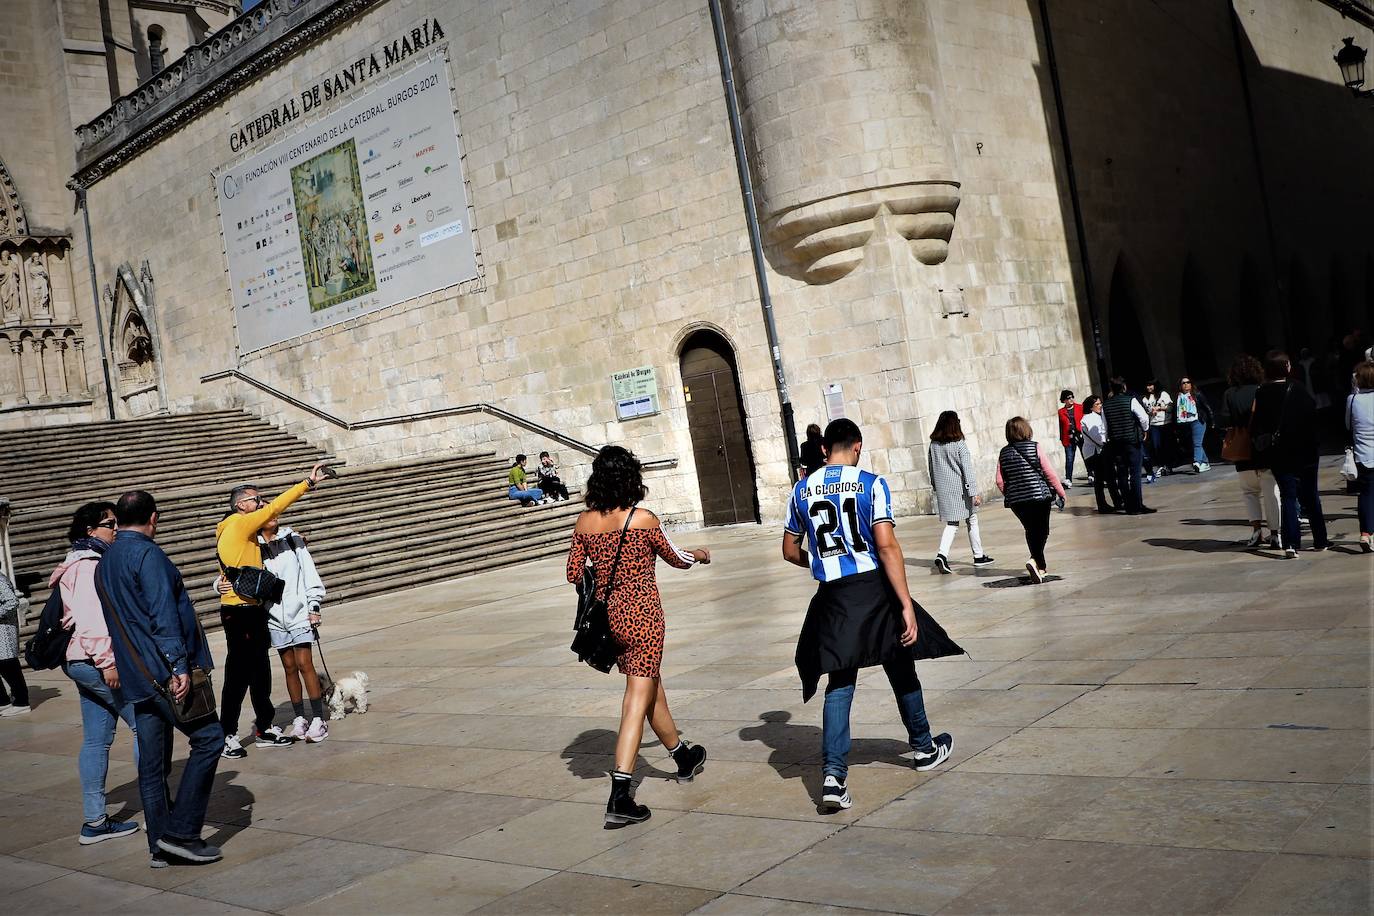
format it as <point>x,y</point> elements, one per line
<point>862,613</point>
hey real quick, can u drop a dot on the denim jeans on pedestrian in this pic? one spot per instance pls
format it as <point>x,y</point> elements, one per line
<point>1365,499</point>
<point>839,696</point>
<point>1069,451</point>
<point>101,709</point>
<point>533,493</point>
<point>185,817</point>
<point>1157,451</point>
<point>1297,492</point>
<point>1196,431</point>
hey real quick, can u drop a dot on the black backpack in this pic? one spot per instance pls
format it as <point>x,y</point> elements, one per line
<point>48,647</point>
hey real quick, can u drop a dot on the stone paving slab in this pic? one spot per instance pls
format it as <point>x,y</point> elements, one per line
<point>1175,725</point>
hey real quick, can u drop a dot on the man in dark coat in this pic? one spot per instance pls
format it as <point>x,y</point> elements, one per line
<point>862,614</point>
<point>1284,438</point>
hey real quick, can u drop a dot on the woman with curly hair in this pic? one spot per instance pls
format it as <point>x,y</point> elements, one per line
<point>613,523</point>
<point>1257,486</point>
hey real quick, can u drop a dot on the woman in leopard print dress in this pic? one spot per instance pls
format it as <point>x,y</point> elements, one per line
<point>636,615</point>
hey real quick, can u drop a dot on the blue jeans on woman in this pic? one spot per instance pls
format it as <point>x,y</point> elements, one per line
<point>533,493</point>
<point>1298,492</point>
<point>1198,431</point>
<point>101,709</point>
<point>1365,498</point>
<point>839,696</point>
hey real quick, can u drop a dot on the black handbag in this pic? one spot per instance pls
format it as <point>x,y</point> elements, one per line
<point>253,583</point>
<point>593,642</point>
<point>199,702</point>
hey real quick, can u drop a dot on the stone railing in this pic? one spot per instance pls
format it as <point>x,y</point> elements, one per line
<point>254,43</point>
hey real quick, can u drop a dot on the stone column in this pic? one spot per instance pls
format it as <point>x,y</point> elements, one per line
<point>37,345</point>
<point>842,105</point>
<point>82,382</point>
<point>63,378</point>
<point>17,348</point>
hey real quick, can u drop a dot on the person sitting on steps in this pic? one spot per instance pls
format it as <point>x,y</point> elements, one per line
<point>520,490</point>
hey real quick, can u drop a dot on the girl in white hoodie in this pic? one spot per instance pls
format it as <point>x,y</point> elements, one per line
<point>291,624</point>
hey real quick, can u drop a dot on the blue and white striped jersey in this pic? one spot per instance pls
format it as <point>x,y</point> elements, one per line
<point>836,508</point>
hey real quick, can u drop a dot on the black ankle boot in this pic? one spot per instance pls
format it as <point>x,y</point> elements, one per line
<point>689,759</point>
<point>622,808</point>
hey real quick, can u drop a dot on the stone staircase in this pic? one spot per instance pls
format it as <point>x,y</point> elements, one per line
<point>379,528</point>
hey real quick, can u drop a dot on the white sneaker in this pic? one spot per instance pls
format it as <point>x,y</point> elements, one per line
<point>1035,575</point>
<point>233,748</point>
<point>10,711</point>
<point>1290,554</point>
<point>1256,538</point>
<point>299,727</point>
<point>317,732</point>
<point>835,795</point>
<point>1068,484</point>
<point>1204,467</point>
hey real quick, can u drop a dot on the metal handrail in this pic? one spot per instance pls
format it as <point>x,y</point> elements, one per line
<point>655,464</point>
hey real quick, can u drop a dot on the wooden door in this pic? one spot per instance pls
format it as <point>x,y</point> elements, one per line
<point>720,445</point>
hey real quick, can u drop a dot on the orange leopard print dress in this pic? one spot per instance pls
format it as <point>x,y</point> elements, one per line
<point>636,611</point>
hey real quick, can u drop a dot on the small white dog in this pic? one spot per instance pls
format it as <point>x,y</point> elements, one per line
<point>347,694</point>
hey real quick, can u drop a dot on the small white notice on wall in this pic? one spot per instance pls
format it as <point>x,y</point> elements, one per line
<point>834,401</point>
<point>635,392</point>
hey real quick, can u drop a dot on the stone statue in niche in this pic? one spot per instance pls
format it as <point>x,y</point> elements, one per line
<point>40,290</point>
<point>9,284</point>
<point>138,348</point>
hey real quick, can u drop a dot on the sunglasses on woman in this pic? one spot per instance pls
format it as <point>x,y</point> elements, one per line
<point>109,523</point>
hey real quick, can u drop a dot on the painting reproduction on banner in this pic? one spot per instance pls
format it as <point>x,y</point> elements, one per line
<point>333,227</point>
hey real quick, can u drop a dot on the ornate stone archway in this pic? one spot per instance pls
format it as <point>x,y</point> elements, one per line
<point>42,347</point>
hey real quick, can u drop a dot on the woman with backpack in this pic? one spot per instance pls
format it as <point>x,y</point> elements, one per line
<point>1029,486</point>
<point>91,666</point>
<point>623,542</point>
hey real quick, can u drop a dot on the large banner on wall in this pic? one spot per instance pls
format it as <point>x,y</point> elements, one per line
<point>359,211</point>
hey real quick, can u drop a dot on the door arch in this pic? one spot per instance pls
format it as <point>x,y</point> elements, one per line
<point>715,420</point>
<point>1130,357</point>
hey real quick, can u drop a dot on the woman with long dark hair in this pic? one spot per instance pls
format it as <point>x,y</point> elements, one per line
<point>613,522</point>
<point>956,488</point>
<point>91,666</point>
<point>812,454</point>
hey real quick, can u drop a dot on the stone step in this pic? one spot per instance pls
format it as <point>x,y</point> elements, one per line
<point>84,435</point>
<point>192,464</point>
<point>219,476</point>
<point>97,454</point>
<point>391,509</point>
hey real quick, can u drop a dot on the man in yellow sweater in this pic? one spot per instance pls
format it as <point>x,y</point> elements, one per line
<point>247,667</point>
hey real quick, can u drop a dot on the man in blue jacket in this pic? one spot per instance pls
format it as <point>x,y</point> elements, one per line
<point>157,641</point>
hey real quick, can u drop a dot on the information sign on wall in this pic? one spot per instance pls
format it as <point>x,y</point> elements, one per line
<point>635,392</point>
<point>364,209</point>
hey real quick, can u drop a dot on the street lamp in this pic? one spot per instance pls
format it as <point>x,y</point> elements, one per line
<point>1350,59</point>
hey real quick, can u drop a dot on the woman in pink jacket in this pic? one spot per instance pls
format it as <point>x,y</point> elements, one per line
<point>90,663</point>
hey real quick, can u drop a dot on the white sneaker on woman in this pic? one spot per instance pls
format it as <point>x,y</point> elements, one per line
<point>299,727</point>
<point>317,732</point>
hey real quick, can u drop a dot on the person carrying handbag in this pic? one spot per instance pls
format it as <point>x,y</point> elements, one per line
<point>1029,486</point>
<point>161,650</point>
<point>1284,439</point>
<point>1257,487</point>
<point>615,531</point>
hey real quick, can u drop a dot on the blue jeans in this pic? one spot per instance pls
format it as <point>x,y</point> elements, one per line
<point>839,696</point>
<point>1157,454</point>
<point>101,710</point>
<point>1297,492</point>
<point>533,493</point>
<point>1197,430</point>
<point>185,817</point>
<point>1365,485</point>
<point>1069,451</point>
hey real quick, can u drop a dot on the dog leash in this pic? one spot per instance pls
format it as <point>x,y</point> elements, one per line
<point>318,645</point>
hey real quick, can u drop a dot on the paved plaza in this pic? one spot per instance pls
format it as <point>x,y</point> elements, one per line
<point>1175,726</point>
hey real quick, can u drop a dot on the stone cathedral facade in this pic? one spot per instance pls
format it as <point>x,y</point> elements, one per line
<point>915,195</point>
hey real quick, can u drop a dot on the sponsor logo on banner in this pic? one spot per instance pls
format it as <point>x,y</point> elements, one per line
<point>425,151</point>
<point>377,193</point>
<point>443,232</point>
<point>423,130</point>
<point>396,230</point>
<point>431,169</point>
<point>372,176</point>
<point>419,197</point>
<point>409,179</point>
<point>379,236</point>
<point>429,216</point>
<point>371,156</point>
<point>230,187</point>
<point>391,166</point>
<point>376,215</point>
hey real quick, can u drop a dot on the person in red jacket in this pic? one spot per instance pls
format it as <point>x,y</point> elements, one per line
<point>1070,431</point>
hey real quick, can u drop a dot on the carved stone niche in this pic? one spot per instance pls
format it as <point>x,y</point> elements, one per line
<point>132,343</point>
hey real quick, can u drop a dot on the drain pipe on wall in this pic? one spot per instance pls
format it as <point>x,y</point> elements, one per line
<point>95,297</point>
<point>751,218</point>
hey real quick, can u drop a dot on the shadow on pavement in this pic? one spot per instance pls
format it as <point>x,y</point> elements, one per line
<point>1018,581</point>
<point>1196,545</point>
<point>1214,521</point>
<point>591,755</point>
<point>775,730</point>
